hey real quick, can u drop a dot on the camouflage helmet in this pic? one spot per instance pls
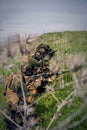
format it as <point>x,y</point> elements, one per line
<point>43,50</point>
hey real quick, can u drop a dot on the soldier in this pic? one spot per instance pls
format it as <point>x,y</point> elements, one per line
<point>34,76</point>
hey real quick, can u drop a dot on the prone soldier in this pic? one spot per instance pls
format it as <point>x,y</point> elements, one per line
<point>34,76</point>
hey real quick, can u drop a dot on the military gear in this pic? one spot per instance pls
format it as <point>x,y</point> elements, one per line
<point>11,99</point>
<point>42,51</point>
<point>34,76</point>
<point>12,92</point>
<point>28,65</point>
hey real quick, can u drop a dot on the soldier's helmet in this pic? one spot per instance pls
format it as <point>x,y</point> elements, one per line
<point>31,62</point>
<point>43,51</point>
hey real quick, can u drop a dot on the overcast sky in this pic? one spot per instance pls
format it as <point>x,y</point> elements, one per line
<point>39,16</point>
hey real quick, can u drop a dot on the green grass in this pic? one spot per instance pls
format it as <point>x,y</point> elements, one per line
<point>65,43</point>
<point>83,125</point>
<point>2,103</point>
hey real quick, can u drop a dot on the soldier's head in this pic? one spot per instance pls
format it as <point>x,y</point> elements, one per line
<point>42,51</point>
<point>42,55</point>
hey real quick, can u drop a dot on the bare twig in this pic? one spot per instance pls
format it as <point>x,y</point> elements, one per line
<point>20,128</point>
<point>59,108</point>
<point>54,97</point>
<point>64,124</point>
<point>18,109</point>
<point>77,122</point>
<point>78,87</point>
<point>25,104</point>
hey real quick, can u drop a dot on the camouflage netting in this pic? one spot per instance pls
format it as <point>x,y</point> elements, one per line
<point>34,76</point>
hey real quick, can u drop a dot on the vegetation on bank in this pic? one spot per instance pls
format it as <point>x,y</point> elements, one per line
<point>66,44</point>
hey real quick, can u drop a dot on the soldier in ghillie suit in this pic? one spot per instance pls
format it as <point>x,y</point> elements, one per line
<point>33,77</point>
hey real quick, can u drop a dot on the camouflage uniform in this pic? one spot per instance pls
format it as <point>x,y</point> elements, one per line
<point>34,75</point>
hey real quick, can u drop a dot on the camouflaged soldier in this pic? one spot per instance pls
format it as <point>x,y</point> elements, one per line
<point>35,75</point>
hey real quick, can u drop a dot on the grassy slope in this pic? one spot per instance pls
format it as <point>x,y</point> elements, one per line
<point>65,43</point>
